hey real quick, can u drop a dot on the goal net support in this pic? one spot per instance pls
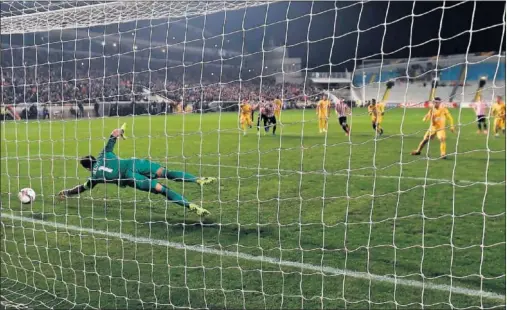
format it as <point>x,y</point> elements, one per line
<point>303,213</point>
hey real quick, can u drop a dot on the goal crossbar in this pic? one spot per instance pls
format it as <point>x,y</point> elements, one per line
<point>115,12</point>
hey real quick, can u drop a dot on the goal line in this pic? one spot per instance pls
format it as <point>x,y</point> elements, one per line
<point>265,259</point>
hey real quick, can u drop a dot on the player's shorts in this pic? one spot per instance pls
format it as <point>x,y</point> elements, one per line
<point>342,120</point>
<point>277,112</point>
<point>245,118</point>
<point>500,122</point>
<point>271,120</point>
<point>142,175</point>
<point>263,117</point>
<point>481,119</point>
<point>440,133</point>
<point>145,167</point>
<point>377,120</point>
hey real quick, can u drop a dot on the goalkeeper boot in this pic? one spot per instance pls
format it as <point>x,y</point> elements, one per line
<point>415,153</point>
<point>198,210</point>
<point>205,181</point>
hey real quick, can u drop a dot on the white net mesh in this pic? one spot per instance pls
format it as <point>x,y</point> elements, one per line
<point>302,214</point>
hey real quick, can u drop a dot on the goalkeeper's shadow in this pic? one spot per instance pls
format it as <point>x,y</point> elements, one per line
<point>158,220</point>
<point>180,225</point>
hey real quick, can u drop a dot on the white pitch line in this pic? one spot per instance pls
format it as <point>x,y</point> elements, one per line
<point>269,260</point>
<point>345,174</point>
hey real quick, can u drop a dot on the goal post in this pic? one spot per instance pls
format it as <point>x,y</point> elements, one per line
<point>314,204</point>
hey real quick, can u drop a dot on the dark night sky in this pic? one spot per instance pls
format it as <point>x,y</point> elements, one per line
<point>338,32</point>
<point>343,23</point>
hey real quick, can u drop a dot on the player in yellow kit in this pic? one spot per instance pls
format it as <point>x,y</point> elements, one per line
<point>179,107</point>
<point>323,113</point>
<point>245,115</point>
<point>498,111</point>
<point>376,112</point>
<point>278,107</point>
<point>437,115</point>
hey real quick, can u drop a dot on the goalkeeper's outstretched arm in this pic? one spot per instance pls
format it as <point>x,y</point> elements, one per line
<point>112,139</point>
<point>77,189</point>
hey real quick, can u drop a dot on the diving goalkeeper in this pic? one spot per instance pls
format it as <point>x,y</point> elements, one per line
<point>137,173</point>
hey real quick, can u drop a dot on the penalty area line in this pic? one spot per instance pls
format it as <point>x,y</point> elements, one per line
<point>265,259</point>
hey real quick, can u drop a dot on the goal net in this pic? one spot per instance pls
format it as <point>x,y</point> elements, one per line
<point>311,208</point>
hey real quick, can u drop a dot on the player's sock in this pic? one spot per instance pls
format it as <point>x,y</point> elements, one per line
<point>180,176</point>
<point>274,129</point>
<point>421,146</point>
<point>174,197</point>
<point>374,126</point>
<point>443,147</point>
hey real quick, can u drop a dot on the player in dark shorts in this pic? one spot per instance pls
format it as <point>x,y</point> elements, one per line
<point>140,174</point>
<point>342,110</point>
<point>267,115</point>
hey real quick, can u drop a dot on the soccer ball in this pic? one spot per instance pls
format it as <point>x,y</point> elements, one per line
<point>26,195</point>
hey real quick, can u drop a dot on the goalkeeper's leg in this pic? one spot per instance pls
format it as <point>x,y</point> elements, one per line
<point>154,170</point>
<point>145,184</point>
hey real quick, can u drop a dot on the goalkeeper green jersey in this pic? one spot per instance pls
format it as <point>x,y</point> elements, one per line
<point>109,168</point>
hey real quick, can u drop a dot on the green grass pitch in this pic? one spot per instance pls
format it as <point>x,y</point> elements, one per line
<point>308,200</point>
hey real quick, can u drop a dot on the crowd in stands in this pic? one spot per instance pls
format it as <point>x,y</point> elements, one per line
<point>57,84</point>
